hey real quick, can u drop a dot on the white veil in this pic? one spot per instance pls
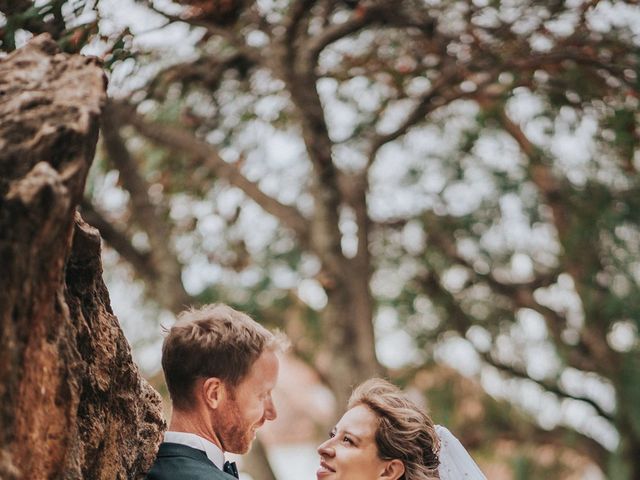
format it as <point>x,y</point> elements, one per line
<point>455,461</point>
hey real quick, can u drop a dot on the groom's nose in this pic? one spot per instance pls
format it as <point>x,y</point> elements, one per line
<point>270,412</point>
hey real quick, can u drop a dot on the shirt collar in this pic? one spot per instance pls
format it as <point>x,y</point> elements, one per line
<point>213,452</point>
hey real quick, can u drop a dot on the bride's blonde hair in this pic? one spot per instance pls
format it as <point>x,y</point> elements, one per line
<point>404,431</point>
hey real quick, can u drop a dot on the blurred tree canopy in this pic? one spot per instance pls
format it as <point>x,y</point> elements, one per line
<point>449,179</point>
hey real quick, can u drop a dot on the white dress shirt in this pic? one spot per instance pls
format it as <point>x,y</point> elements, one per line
<point>213,452</point>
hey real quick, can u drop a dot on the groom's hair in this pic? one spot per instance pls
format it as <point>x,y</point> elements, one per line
<point>404,431</point>
<point>213,341</point>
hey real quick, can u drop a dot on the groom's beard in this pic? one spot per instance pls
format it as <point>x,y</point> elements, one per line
<point>234,432</point>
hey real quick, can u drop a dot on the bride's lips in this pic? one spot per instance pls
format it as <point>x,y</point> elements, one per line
<point>324,469</point>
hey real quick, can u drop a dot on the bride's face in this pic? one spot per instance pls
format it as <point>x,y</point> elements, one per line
<point>351,453</point>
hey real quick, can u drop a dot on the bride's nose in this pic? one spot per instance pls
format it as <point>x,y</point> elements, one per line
<point>325,449</point>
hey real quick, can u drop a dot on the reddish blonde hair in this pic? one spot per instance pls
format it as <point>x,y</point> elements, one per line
<point>213,341</point>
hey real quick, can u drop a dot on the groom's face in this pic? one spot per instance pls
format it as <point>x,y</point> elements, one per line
<point>248,405</point>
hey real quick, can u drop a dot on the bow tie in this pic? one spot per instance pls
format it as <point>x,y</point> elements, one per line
<point>231,469</point>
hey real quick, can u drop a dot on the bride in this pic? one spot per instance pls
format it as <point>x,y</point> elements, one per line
<point>385,436</point>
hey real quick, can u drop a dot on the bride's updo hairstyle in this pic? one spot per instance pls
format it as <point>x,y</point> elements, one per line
<point>404,431</point>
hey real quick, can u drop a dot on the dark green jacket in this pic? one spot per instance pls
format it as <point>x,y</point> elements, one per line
<point>179,462</point>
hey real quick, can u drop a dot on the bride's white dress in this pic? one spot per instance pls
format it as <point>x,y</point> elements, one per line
<point>455,461</point>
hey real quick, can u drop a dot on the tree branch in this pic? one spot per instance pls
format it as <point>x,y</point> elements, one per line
<point>548,386</point>
<point>184,141</point>
<point>423,108</point>
<point>227,33</point>
<point>334,33</point>
<point>297,11</point>
<point>205,71</point>
<point>520,294</point>
<point>144,214</point>
<point>461,323</point>
<point>299,72</point>
<point>576,55</point>
<point>581,265</point>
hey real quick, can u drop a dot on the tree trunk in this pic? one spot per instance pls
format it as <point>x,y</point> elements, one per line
<point>345,361</point>
<point>72,404</point>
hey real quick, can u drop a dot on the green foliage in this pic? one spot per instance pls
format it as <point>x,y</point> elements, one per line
<point>630,390</point>
<point>55,17</point>
<point>624,124</point>
<point>522,468</point>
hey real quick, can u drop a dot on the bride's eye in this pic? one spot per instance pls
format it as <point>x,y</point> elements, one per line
<point>332,434</point>
<point>347,440</point>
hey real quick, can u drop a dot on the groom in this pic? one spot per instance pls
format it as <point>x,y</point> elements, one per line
<point>220,367</point>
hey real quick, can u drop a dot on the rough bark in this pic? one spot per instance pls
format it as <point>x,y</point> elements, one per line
<point>72,403</point>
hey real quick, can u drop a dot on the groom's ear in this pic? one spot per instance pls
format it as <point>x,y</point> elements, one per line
<point>212,390</point>
<point>393,471</point>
